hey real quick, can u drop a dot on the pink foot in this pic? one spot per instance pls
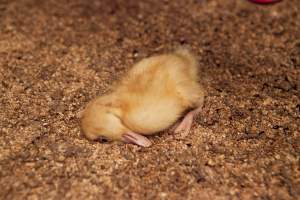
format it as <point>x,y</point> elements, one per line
<point>185,125</point>
<point>135,138</point>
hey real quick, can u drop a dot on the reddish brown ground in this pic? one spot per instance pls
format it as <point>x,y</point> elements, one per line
<point>57,55</point>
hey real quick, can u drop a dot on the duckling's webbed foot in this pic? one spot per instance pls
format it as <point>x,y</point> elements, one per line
<point>135,138</point>
<point>185,125</point>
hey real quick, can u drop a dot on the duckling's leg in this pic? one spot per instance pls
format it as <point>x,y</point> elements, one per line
<point>185,125</point>
<point>135,138</point>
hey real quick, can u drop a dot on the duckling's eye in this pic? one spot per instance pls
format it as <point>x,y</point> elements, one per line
<point>102,139</point>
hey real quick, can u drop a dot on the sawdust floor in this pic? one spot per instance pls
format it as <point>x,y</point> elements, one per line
<point>55,56</point>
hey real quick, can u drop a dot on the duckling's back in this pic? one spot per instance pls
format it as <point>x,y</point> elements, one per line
<point>158,90</point>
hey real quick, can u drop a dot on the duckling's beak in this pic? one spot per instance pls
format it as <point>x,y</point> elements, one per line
<point>136,138</point>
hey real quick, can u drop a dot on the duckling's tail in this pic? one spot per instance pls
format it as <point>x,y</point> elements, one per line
<point>186,53</point>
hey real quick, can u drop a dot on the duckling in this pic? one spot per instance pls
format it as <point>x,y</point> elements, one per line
<point>150,98</point>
